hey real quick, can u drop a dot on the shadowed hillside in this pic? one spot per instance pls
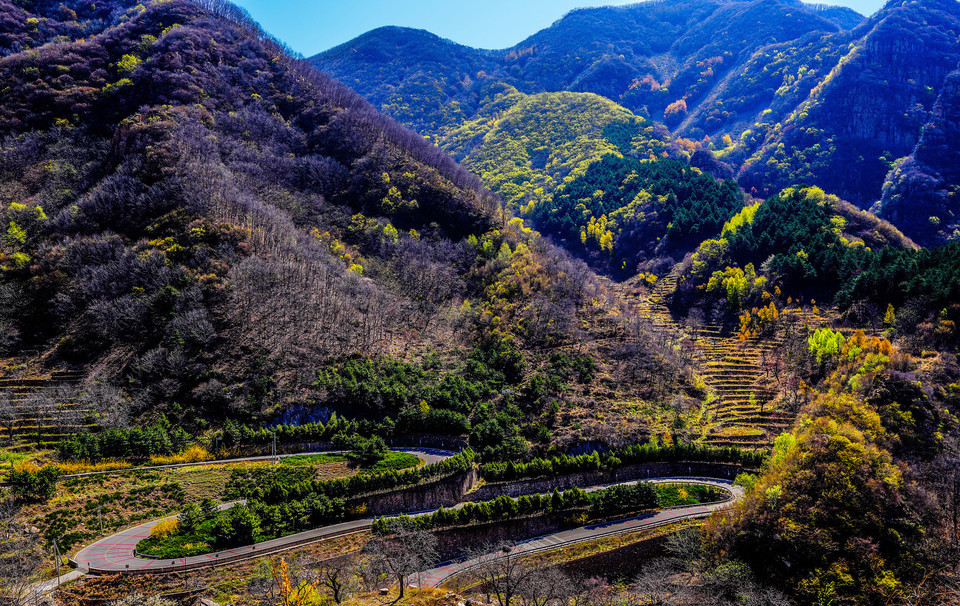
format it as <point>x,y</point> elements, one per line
<point>220,231</point>
<point>785,93</point>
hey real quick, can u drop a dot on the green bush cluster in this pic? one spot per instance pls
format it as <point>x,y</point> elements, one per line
<point>628,455</point>
<point>364,451</point>
<point>34,485</point>
<point>602,503</point>
<point>389,385</point>
<point>136,443</point>
<point>238,434</point>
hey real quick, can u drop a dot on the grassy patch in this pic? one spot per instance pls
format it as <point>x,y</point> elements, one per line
<point>673,495</point>
<point>10,459</point>
<point>737,431</point>
<point>393,461</point>
<point>77,467</point>
<point>314,459</point>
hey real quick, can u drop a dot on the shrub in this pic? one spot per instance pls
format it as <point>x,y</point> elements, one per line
<point>194,454</point>
<point>165,528</point>
<point>236,526</point>
<point>191,517</point>
<point>30,483</point>
<point>364,451</point>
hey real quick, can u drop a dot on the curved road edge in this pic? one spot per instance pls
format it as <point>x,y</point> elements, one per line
<point>116,554</point>
<point>445,571</point>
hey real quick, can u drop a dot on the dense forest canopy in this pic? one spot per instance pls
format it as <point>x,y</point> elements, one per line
<point>633,211</point>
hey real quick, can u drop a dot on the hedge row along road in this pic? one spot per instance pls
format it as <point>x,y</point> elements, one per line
<point>447,570</point>
<point>116,554</point>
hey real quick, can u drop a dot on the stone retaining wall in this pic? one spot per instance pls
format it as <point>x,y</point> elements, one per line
<point>456,542</point>
<point>432,495</point>
<point>594,478</point>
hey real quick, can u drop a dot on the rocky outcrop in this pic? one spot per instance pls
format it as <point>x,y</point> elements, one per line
<point>922,194</point>
<point>869,110</point>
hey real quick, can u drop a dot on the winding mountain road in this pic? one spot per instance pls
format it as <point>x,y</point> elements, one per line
<point>117,553</point>
<point>446,570</point>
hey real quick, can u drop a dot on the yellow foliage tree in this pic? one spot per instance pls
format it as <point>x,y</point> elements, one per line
<point>165,528</point>
<point>301,594</point>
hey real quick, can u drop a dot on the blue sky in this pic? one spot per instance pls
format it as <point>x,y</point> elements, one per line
<point>312,26</point>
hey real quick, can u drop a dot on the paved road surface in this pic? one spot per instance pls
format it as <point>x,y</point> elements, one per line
<point>116,553</point>
<point>44,587</point>
<point>429,456</point>
<point>444,571</point>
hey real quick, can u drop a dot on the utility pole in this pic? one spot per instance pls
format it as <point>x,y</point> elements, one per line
<point>100,516</point>
<point>56,556</point>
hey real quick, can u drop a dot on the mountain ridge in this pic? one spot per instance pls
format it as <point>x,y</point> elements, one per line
<point>776,90</point>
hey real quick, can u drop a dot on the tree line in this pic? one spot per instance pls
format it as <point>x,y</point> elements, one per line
<point>599,504</point>
<point>628,455</point>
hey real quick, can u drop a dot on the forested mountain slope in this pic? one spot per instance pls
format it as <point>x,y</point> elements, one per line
<point>163,173</point>
<point>220,231</point>
<point>785,93</point>
<point>645,56</point>
<point>921,192</point>
<point>868,110</point>
<point>524,146</point>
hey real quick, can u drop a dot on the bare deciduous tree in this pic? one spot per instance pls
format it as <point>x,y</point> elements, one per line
<point>339,575</point>
<point>20,559</point>
<point>501,572</point>
<point>403,554</point>
<point>696,320</point>
<point>594,591</point>
<point>9,415</point>
<point>371,572</point>
<point>659,584</point>
<point>42,406</point>
<point>108,404</point>
<point>66,415</point>
<point>546,587</point>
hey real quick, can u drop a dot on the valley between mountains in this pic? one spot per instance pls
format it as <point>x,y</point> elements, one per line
<point>658,306</point>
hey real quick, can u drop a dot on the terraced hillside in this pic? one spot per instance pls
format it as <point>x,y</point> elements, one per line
<point>742,409</point>
<point>39,407</point>
<point>741,413</point>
